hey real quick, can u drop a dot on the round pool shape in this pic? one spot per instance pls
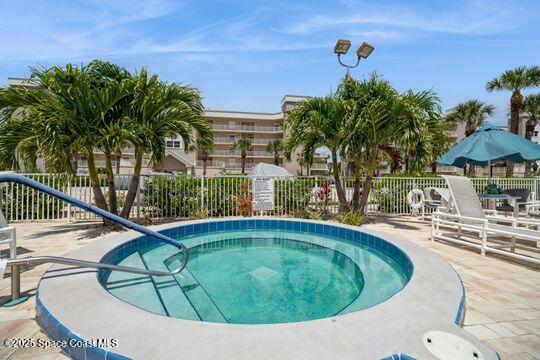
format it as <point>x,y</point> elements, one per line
<point>260,272</point>
<point>72,304</point>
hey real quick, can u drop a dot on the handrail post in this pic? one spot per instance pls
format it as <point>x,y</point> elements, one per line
<point>16,297</point>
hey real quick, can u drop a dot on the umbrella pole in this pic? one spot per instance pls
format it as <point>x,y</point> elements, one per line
<point>490,170</point>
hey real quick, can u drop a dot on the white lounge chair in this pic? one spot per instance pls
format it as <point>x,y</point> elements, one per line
<point>7,236</point>
<point>464,212</point>
<point>434,198</point>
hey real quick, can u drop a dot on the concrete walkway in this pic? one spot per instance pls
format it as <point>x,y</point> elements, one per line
<point>503,298</point>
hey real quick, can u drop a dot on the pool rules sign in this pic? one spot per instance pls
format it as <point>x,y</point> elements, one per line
<point>263,193</point>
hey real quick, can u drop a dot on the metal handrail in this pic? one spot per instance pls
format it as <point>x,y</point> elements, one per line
<point>9,176</point>
<point>37,260</point>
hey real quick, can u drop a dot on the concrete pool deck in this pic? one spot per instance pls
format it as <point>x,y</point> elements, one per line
<point>502,298</point>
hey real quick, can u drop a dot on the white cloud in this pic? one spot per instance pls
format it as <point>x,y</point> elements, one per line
<point>469,18</point>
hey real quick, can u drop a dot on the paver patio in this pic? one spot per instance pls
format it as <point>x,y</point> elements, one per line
<point>503,298</point>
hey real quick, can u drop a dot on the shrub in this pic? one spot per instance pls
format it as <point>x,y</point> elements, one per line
<point>244,200</point>
<point>350,218</point>
<point>305,214</point>
<point>292,194</point>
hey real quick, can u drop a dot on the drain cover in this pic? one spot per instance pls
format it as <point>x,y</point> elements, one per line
<point>263,273</point>
<point>446,346</point>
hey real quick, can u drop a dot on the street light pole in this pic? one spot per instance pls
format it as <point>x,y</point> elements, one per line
<point>342,47</point>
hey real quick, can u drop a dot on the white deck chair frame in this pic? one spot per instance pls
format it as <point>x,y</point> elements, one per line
<point>8,236</point>
<point>486,225</point>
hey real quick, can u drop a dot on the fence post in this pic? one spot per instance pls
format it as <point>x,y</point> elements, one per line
<point>69,204</point>
<point>202,192</point>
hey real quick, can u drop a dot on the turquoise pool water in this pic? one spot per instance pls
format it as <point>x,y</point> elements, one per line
<point>258,277</point>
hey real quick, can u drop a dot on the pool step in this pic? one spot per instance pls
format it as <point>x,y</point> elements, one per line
<point>134,287</point>
<point>200,300</point>
<point>171,295</point>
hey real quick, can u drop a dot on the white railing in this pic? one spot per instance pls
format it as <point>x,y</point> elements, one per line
<point>247,128</point>
<point>123,163</point>
<point>319,167</point>
<point>239,153</point>
<point>181,196</point>
<point>226,140</point>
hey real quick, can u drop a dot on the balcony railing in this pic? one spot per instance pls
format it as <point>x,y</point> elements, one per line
<point>101,163</point>
<point>319,167</point>
<point>224,164</point>
<point>239,153</point>
<point>225,140</point>
<point>247,128</point>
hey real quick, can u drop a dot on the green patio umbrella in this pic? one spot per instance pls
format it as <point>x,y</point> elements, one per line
<point>489,145</point>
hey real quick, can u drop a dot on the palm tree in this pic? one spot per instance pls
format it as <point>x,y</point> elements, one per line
<point>531,105</point>
<point>64,113</point>
<point>275,146</point>
<point>515,81</point>
<point>157,111</point>
<point>472,113</point>
<point>205,148</point>
<point>318,122</point>
<point>379,119</point>
<point>244,145</point>
<point>425,129</point>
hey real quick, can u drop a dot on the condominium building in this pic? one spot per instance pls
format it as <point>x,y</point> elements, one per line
<point>228,127</point>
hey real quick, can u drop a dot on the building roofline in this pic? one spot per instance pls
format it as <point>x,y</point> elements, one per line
<point>294,98</point>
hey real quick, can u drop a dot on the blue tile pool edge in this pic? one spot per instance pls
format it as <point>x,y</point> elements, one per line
<point>391,250</point>
<point>58,332</point>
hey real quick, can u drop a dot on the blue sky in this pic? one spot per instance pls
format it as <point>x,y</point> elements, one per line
<point>245,55</point>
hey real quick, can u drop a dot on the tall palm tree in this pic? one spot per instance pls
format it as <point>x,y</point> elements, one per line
<point>156,111</point>
<point>379,118</point>
<point>515,81</point>
<point>244,145</point>
<point>318,122</point>
<point>65,112</point>
<point>205,148</point>
<point>275,146</point>
<point>531,105</point>
<point>472,113</point>
<point>425,129</point>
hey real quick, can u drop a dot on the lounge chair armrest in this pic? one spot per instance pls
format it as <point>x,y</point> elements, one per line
<point>510,220</point>
<point>7,230</point>
<point>459,217</point>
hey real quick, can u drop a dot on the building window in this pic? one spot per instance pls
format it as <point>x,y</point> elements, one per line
<point>175,144</point>
<point>232,137</point>
<point>277,127</point>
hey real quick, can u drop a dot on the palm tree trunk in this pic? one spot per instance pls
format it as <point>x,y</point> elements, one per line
<point>433,167</point>
<point>204,159</point>
<point>134,185</point>
<point>94,181</point>
<point>365,194</point>
<point>276,159</point>
<point>113,201</point>
<point>372,165</point>
<point>355,202</point>
<point>74,159</point>
<point>118,157</point>
<point>339,189</point>
<point>515,107</point>
<point>243,163</point>
<point>529,132</point>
